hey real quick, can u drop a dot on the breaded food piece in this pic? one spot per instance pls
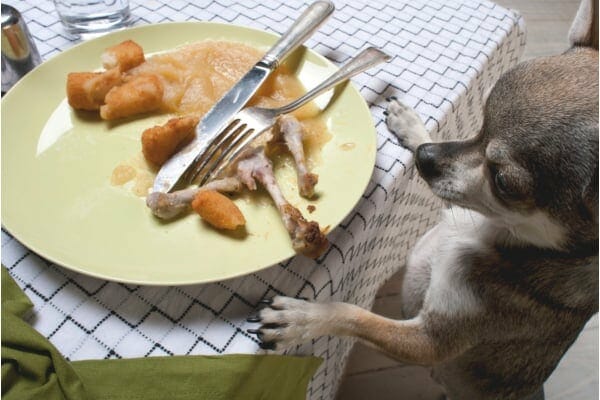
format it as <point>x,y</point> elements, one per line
<point>100,86</point>
<point>139,95</point>
<point>86,90</point>
<point>218,210</point>
<point>78,95</point>
<point>159,143</point>
<point>125,55</point>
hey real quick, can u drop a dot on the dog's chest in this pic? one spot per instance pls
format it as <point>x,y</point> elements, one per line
<point>450,250</point>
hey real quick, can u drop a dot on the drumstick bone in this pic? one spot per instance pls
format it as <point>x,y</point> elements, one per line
<point>289,129</point>
<point>306,236</point>
<point>170,205</point>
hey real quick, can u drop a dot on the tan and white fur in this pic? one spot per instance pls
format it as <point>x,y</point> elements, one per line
<point>495,293</point>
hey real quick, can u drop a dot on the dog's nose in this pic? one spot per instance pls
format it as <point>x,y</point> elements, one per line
<point>426,157</point>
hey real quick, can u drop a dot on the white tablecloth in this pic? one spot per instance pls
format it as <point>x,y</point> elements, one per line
<point>446,55</point>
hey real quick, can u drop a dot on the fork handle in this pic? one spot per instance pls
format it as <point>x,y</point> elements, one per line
<point>297,34</point>
<point>366,59</point>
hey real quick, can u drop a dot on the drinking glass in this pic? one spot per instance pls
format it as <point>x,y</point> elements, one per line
<point>88,18</point>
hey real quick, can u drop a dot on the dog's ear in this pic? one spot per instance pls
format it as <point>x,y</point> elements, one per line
<point>584,30</point>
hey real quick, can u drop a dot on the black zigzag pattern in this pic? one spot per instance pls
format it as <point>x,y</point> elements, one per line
<point>446,55</point>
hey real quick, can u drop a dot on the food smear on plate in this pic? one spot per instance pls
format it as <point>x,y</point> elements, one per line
<point>122,174</point>
<point>184,84</point>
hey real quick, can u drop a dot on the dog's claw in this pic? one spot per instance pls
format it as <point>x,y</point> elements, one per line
<point>253,331</point>
<point>267,345</point>
<point>386,113</point>
<point>254,318</point>
<point>273,325</point>
<point>266,301</point>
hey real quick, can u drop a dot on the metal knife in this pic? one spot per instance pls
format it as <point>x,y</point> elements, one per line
<point>179,169</point>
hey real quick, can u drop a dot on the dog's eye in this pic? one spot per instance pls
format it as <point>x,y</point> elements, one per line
<point>501,183</point>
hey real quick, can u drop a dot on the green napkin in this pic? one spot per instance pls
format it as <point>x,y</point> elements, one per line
<point>32,368</point>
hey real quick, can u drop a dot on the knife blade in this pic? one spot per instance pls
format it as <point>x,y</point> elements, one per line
<point>178,166</point>
<point>179,169</point>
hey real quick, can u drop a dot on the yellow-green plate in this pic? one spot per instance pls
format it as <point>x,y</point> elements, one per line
<point>57,198</point>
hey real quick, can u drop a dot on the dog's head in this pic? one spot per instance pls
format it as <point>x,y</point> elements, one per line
<point>533,167</point>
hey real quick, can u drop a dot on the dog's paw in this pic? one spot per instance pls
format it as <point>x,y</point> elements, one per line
<point>404,122</point>
<point>287,322</point>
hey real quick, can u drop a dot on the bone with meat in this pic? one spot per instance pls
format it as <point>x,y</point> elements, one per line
<point>306,236</point>
<point>170,205</point>
<point>289,130</point>
<point>251,167</point>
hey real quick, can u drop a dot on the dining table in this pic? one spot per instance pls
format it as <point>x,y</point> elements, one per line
<point>445,57</point>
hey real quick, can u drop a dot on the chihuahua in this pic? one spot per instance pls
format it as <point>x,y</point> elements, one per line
<point>496,293</point>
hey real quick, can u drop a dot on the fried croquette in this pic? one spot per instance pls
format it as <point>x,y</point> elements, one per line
<point>87,90</point>
<point>139,95</point>
<point>159,143</point>
<point>125,55</point>
<point>218,210</point>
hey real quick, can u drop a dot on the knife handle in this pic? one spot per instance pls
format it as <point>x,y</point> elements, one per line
<point>297,34</point>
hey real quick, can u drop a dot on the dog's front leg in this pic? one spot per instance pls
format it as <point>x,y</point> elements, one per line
<point>287,322</point>
<point>406,124</point>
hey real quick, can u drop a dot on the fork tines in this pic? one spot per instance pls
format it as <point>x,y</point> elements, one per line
<point>224,149</point>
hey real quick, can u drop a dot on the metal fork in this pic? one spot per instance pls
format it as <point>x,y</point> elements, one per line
<point>251,122</point>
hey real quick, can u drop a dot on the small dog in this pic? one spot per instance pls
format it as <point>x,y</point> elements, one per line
<point>497,292</point>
